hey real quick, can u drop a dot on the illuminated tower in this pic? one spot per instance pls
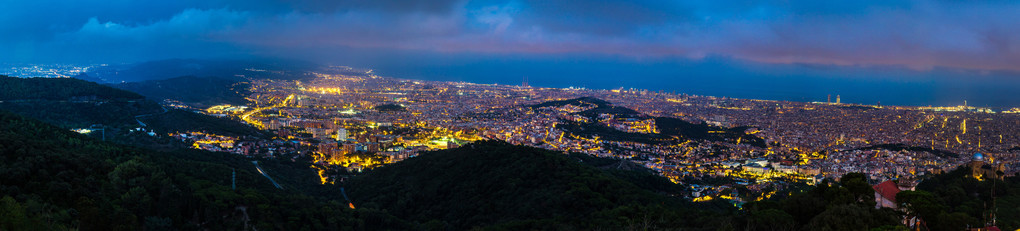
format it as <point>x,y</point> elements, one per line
<point>828,98</point>
<point>837,99</point>
<point>525,83</point>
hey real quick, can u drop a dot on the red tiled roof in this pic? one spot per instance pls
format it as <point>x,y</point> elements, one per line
<point>887,189</point>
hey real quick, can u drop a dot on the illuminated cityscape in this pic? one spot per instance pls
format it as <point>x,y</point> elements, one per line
<point>356,122</point>
<point>510,115</point>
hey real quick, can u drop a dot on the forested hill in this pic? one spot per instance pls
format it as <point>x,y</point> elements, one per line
<point>495,185</point>
<point>956,199</point>
<point>580,102</point>
<point>670,130</point>
<point>199,91</point>
<point>53,179</point>
<point>12,88</point>
<point>73,103</point>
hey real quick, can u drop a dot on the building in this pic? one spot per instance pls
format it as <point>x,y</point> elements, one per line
<point>329,149</point>
<point>885,194</point>
<point>319,133</point>
<point>341,134</point>
<point>982,167</point>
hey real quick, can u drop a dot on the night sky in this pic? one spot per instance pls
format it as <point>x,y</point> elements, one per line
<point>898,52</point>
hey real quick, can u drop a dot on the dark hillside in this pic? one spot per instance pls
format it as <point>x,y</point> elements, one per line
<point>65,89</point>
<point>176,120</point>
<point>53,179</point>
<point>500,186</point>
<point>73,103</point>
<point>201,92</point>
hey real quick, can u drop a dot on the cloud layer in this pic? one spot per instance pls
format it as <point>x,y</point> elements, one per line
<point>919,35</point>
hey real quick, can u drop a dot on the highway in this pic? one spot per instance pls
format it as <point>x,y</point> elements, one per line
<point>256,163</point>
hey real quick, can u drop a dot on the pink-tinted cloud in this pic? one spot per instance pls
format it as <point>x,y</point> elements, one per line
<point>919,35</point>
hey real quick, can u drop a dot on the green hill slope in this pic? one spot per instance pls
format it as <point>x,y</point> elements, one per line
<point>12,88</point>
<point>199,91</point>
<point>956,200</point>
<point>671,130</point>
<point>176,120</point>
<point>53,179</point>
<point>494,185</point>
<point>73,103</point>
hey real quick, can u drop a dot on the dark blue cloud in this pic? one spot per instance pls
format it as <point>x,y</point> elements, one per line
<point>920,35</point>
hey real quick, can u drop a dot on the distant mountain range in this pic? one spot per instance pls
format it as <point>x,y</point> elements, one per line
<point>228,69</point>
<point>200,83</point>
<point>73,103</point>
<point>200,92</point>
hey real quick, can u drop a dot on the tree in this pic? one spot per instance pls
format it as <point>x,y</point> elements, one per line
<point>857,184</point>
<point>953,221</point>
<point>803,207</point>
<point>770,219</point>
<point>921,203</point>
<point>843,217</point>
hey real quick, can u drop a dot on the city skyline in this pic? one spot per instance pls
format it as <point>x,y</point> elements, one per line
<point>915,53</point>
<point>509,115</point>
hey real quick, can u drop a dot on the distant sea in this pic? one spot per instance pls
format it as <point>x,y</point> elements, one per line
<point>724,78</point>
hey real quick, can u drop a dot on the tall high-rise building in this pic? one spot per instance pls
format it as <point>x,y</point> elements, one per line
<point>828,98</point>
<point>341,134</point>
<point>837,99</point>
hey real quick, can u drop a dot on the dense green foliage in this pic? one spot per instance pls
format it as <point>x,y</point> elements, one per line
<point>671,130</point>
<point>494,185</point>
<point>634,173</point>
<point>84,114</point>
<point>54,179</point>
<point>955,200</point>
<point>389,108</point>
<point>576,101</point>
<point>703,131</point>
<point>845,205</point>
<point>12,88</point>
<point>201,91</point>
<point>176,120</point>
<point>72,103</point>
<point>950,201</point>
<point>901,147</point>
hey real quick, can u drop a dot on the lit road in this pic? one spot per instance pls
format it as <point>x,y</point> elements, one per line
<point>247,116</point>
<point>256,163</point>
